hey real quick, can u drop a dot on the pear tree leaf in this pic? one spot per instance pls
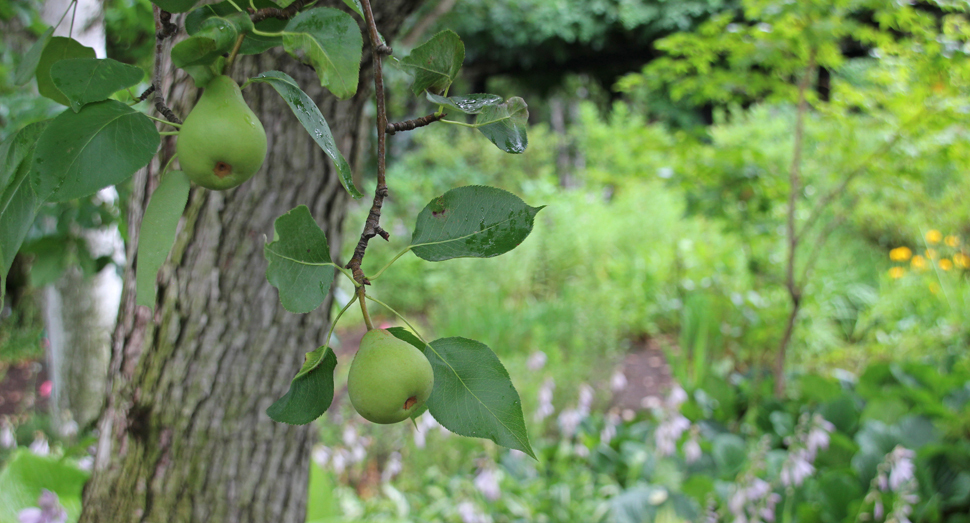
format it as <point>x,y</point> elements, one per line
<point>18,203</point>
<point>59,48</point>
<point>505,125</point>
<point>27,68</point>
<point>468,104</point>
<point>51,257</point>
<point>435,63</point>
<point>253,43</point>
<point>175,6</point>
<point>81,153</point>
<point>330,41</point>
<point>299,261</point>
<point>355,6</point>
<point>474,221</point>
<point>157,233</point>
<point>473,395</point>
<point>311,390</point>
<point>86,80</point>
<point>216,35</point>
<point>309,115</point>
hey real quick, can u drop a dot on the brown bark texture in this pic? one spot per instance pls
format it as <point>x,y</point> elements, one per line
<point>184,436</point>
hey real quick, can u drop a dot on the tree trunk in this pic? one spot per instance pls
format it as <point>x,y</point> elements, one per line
<point>184,436</point>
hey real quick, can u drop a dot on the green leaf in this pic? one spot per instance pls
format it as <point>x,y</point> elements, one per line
<point>86,80</point>
<point>59,48</point>
<point>51,256</point>
<point>309,115</point>
<point>473,395</point>
<point>299,261</point>
<point>18,203</point>
<point>468,104</point>
<point>505,125</point>
<point>175,6</point>
<point>216,36</point>
<point>330,41</point>
<point>101,145</point>
<point>253,43</point>
<point>729,454</point>
<point>157,233</point>
<point>26,475</point>
<point>355,6</point>
<point>435,63</point>
<point>27,68</point>
<point>473,221</point>
<point>311,390</point>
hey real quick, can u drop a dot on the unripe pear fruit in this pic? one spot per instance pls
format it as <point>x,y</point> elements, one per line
<point>222,143</point>
<point>389,379</point>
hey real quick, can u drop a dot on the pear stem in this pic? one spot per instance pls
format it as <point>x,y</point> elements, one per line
<point>232,54</point>
<point>363,308</point>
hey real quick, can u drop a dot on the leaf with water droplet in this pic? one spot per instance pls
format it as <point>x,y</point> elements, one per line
<point>330,41</point>
<point>435,63</point>
<point>215,37</point>
<point>468,104</point>
<point>313,121</point>
<point>474,221</point>
<point>505,125</point>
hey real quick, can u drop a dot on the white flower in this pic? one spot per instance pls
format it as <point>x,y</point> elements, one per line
<point>536,361</point>
<point>902,467</point>
<point>49,510</point>
<point>545,408</point>
<point>692,450</point>
<point>8,439</point>
<point>618,381</point>
<point>796,468</point>
<point>393,467</point>
<point>569,421</point>
<point>486,481</point>
<point>470,514</point>
<point>585,398</point>
<point>40,446</point>
<point>321,455</point>
<point>669,432</point>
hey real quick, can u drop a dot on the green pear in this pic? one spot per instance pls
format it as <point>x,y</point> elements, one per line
<point>222,143</point>
<point>389,379</point>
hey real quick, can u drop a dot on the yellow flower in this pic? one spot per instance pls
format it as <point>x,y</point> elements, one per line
<point>897,272</point>
<point>900,254</point>
<point>946,264</point>
<point>951,240</point>
<point>918,262</point>
<point>933,236</point>
<point>961,260</point>
<point>931,254</point>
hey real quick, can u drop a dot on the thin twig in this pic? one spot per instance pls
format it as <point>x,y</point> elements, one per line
<point>164,28</point>
<point>794,181</point>
<point>272,12</point>
<point>410,125</point>
<point>372,225</point>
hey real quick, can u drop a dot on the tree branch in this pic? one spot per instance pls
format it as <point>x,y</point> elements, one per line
<point>410,125</point>
<point>164,28</point>
<point>273,12</point>
<point>372,225</point>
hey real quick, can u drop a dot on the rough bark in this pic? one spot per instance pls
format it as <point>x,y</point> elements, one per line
<point>184,436</point>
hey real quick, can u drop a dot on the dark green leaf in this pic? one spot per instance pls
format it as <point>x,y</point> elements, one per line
<point>203,74</point>
<point>311,391</point>
<point>474,221</point>
<point>59,48</point>
<point>309,115</point>
<point>81,153</point>
<point>299,261</point>
<point>468,104</point>
<point>253,43</point>
<point>26,69</point>
<point>215,37</point>
<point>86,80</point>
<point>473,395</point>
<point>18,204</point>
<point>26,475</point>
<point>505,125</point>
<point>435,63</point>
<point>157,233</point>
<point>729,454</point>
<point>51,256</point>
<point>175,6</point>
<point>330,41</point>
